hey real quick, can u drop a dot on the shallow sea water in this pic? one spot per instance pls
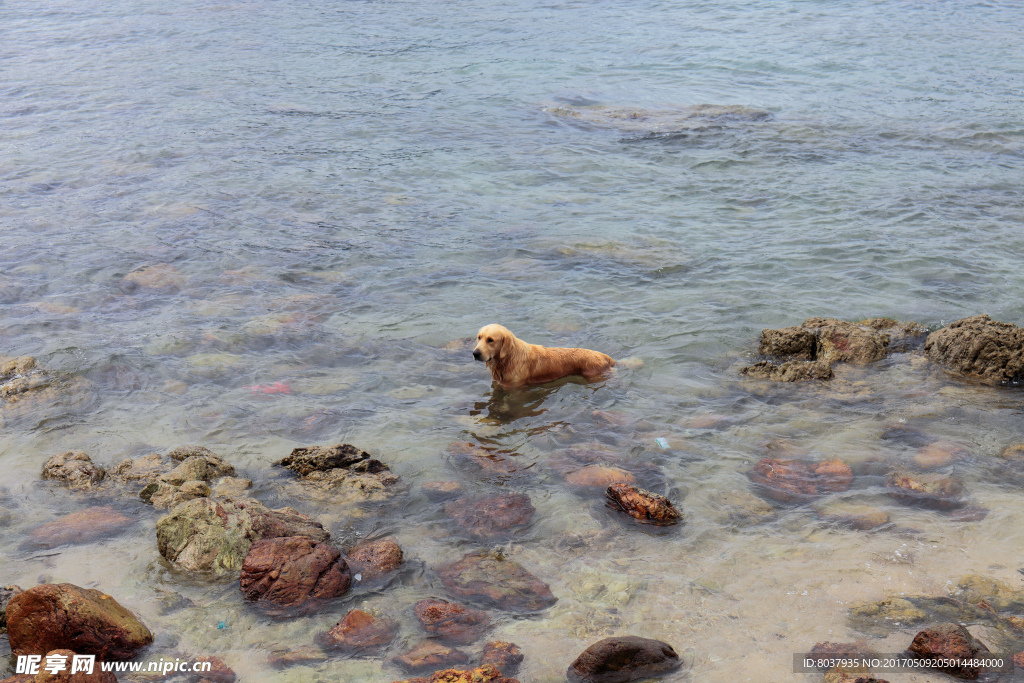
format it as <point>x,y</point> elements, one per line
<point>335,191</point>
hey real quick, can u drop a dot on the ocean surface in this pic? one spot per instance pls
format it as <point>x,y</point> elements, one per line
<point>202,201</point>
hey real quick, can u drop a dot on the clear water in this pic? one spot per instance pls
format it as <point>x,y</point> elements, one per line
<point>343,188</point>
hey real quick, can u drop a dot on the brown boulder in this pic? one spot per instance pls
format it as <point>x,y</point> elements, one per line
<point>375,559</point>
<point>293,573</point>
<point>75,469</point>
<point>58,616</point>
<point>644,506</point>
<point>981,349</point>
<point>359,632</point>
<point>926,490</point>
<point>506,657</point>
<point>84,526</point>
<point>622,659</point>
<point>949,642</point>
<point>834,476</point>
<point>430,655</point>
<point>493,580</point>
<point>452,622</point>
<point>145,468</point>
<point>492,516</point>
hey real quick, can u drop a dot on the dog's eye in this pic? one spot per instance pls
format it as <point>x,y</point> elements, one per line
<point>490,341</point>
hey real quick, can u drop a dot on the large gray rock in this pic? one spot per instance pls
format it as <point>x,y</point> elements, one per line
<point>203,534</point>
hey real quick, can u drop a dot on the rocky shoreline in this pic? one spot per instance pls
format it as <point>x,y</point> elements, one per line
<point>287,566</point>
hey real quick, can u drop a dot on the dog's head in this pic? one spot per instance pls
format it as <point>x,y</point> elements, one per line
<point>491,340</point>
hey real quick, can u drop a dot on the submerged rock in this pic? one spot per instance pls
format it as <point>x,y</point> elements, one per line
<point>940,454</point>
<point>293,573</point>
<point>304,655</point>
<point>485,673</point>
<point>790,371</point>
<point>438,491</point>
<point>74,469</point>
<point>668,120</point>
<point>57,616</point>
<point>506,657</point>
<point>947,642</point>
<point>161,276</point>
<point>927,490</point>
<point>980,348</point>
<point>492,516</point>
<point>84,526</point>
<point>742,508</point>
<point>621,659</point>
<point>810,350</point>
<point>360,632</point>
<point>797,481</point>
<point>599,477</point>
<point>203,534</point>
<point>374,560</point>
<point>862,517</point>
<point>974,588</point>
<point>492,580</point>
<point>452,622</point>
<point>489,461</point>
<point>641,505</point>
<point>429,655</point>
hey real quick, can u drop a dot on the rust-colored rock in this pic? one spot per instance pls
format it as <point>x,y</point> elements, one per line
<point>375,559</point>
<point>452,622</point>
<point>599,477</point>
<point>506,657</point>
<point>65,616</point>
<point>834,476</point>
<point>796,481</point>
<point>927,490</point>
<point>293,573</point>
<point>949,642</point>
<point>644,506</point>
<point>493,580</point>
<point>492,516</point>
<point>359,632</point>
<point>84,526</point>
<point>74,469</point>
<point>6,593</point>
<point>429,655</point>
<point>485,673</point>
<point>219,671</point>
<point>981,349</point>
<point>622,659</point>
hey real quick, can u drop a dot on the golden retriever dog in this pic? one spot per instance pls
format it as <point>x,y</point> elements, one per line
<point>514,363</point>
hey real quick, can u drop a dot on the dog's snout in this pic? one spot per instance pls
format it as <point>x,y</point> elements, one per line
<point>476,354</point>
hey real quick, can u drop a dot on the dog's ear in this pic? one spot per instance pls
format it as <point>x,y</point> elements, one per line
<point>499,343</point>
